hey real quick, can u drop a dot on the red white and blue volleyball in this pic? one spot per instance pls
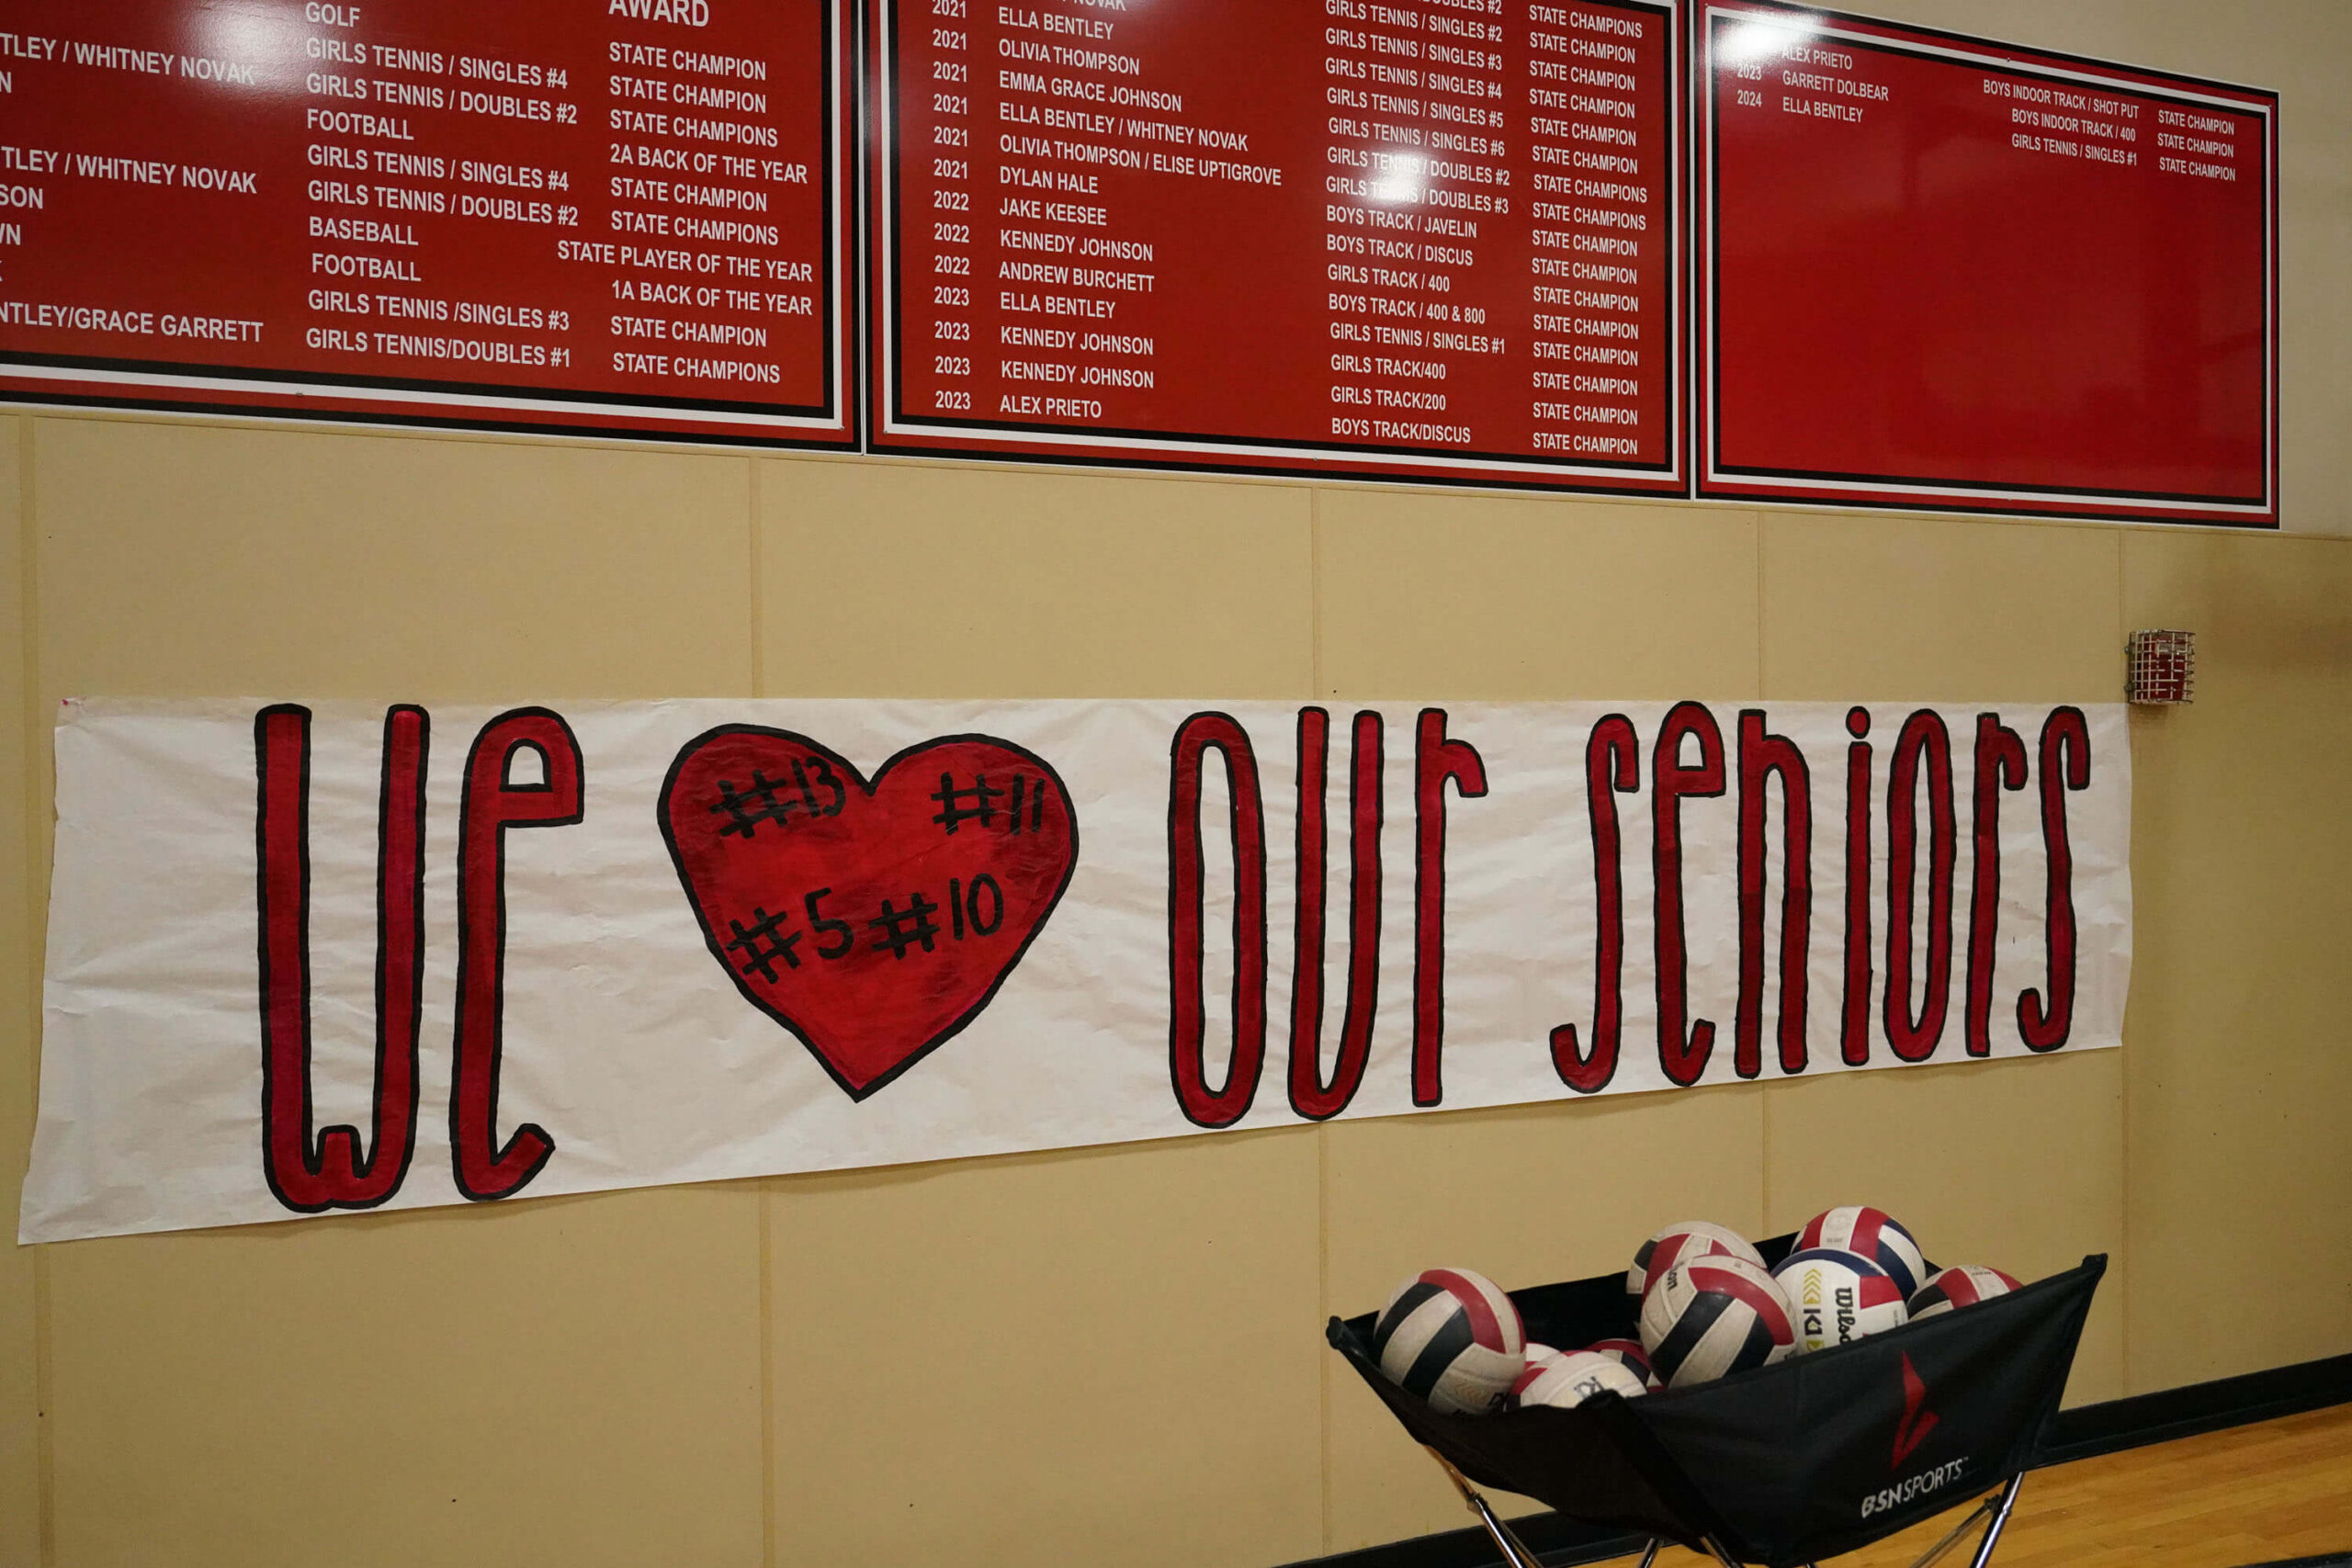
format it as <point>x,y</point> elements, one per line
<point>1839,1298</point>
<point>1873,1234</point>
<point>1628,1353</point>
<point>1713,1316</point>
<point>1963,1285</point>
<point>1689,1238</point>
<point>1454,1338</point>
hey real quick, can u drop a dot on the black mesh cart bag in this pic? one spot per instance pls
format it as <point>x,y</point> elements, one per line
<point>1786,1464</point>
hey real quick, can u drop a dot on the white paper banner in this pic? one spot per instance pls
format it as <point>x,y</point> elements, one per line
<point>626,944</point>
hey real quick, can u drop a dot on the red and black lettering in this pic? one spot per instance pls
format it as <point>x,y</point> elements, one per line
<point>1854,1013</point>
<point>1436,763</point>
<point>1612,766</point>
<point>492,806</point>
<point>2000,764</point>
<point>2065,764</point>
<point>1310,1095</point>
<point>334,1174</point>
<point>1761,756</point>
<point>1682,1058</point>
<point>1924,747</point>
<point>1188,1020</point>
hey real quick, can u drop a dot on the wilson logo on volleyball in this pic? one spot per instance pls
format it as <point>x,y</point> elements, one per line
<point>1815,1324</point>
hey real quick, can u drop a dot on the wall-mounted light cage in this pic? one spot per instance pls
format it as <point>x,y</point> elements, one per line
<point>2160,668</point>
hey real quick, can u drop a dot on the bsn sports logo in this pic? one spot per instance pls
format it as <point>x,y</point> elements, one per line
<point>1909,1433</point>
<point>1919,1485</point>
<point>1917,1420</point>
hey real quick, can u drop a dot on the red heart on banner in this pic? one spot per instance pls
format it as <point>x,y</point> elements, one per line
<point>872,919</point>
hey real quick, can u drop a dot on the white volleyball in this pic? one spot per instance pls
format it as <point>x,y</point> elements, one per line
<point>1839,1297</point>
<point>1963,1285</point>
<point>1875,1235</point>
<point>1713,1316</point>
<point>1690,1238</point>
<point>1452,1337</point>
<point>1565,1382</point>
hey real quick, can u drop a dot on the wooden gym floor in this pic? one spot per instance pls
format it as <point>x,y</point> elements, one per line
<point>2261,1493</point>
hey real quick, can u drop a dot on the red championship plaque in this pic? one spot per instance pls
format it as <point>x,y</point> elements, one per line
<point>610,216</point>
<point>1430,239</point>
<point>1939,273</point>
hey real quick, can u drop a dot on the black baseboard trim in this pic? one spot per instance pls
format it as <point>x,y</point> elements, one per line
<point>2083,1432</point>
<point>2089,1430</point>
